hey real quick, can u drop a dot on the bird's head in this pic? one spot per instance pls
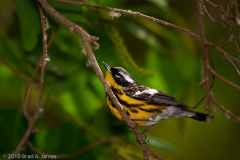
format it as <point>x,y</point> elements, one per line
<point>118,76</point>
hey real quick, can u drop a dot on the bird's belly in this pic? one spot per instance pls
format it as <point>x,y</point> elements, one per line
<point>145,115</point>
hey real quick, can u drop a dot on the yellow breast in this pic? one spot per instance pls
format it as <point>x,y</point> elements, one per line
<point>138,111</point>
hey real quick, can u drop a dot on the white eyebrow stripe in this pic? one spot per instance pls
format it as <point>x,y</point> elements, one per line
<point>149,91</point>
<point>127,77</point>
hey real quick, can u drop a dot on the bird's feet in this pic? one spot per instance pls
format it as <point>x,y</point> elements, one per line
<point>146,129</point>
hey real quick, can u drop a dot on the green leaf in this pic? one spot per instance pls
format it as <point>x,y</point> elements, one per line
<point>67,138</point>
<point>13,127</point>
<point>124,54</point>
<point>160,4</point>
<point>29,21</point>
<point>160,143</point>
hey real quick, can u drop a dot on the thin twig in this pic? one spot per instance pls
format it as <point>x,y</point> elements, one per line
<point>76,153</point>
<point>220,9</point>
<point>204,58</point>
<point>31,84</point>
<point>223,79</point>
<point>27,98</point>
<point>221,23</point>
<point>37,106</point>
<point>237,46</point>
<point>232,29</point>
<point>234,66</point>
<point>227,55</point>
<point>28,92</point>
<point>34,149</point>
<point>51,38</point>
<point>226,38</point>
<point>227,112</point>
<point>82,150</point>
<point>20,74</point>
<point>233,6</point>
<point>203,81</point>
<point>236,17</point>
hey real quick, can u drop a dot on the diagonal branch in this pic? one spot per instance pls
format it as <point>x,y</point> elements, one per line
<point>70,25</point>
<point>223,79</point>
<point>227,112</point>
<point>20,74</point>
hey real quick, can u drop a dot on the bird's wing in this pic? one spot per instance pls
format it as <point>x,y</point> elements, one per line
<point>151,96</point>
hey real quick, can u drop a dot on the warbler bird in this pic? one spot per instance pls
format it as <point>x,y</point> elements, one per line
<point>144,105</point>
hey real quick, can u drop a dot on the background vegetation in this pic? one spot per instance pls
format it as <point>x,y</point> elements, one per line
<point>73,115</point>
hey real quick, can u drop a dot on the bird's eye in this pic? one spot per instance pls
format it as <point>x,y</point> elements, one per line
<point>117,76</point>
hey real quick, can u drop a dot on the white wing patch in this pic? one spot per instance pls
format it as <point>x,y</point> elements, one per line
<point>149,91</point>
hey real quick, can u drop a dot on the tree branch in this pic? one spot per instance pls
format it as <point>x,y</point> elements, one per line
<point>232,29</point>
<point>204,58</point>
<point>166,24</point>
<point>203,81</point>
<point>20,74</point>
<point>70,25</point>
<point>37,106</point>
<point>221,10</point>
<point>238,48</point>
<point>221,23</point>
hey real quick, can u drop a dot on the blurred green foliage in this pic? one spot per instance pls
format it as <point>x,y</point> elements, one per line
<point>73,112</point>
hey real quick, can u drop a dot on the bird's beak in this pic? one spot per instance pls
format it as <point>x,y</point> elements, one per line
<point>107,66</point>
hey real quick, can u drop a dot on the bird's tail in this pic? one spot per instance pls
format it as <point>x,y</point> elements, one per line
<point>200,116</point>
<point>195,115</point>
